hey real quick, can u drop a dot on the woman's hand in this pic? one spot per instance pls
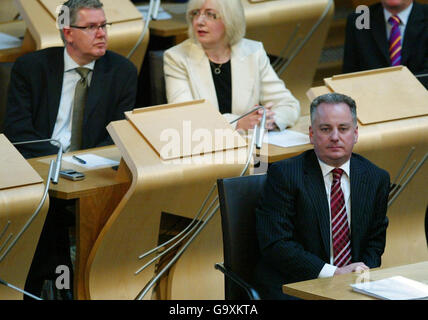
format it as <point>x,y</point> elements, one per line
<point>255,117</point>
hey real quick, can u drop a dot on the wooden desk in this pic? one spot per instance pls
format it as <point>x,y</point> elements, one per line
<point>175,27</point>
<point>96,197</point>
<point>338,287</point>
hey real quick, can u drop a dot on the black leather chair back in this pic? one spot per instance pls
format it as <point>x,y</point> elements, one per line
<point>5,69</point>
<point>238,199</point>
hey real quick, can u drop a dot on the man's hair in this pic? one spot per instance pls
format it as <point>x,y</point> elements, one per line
<point>232,14</point>
<point>334,98</point>
<point>73,8</point>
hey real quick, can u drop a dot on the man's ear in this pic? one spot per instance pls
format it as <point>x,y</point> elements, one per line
<point>311,134</point>
<point>356,134</point>
<point>67,32</point>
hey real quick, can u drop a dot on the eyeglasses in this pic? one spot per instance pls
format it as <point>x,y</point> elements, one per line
<point>208,14</point>
<point>93,28</point>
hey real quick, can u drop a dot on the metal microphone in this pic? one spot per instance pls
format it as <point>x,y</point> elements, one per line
<point>260,129</point>
<point>152,14</point>
<point>155,11</point>
<point>57,168</point>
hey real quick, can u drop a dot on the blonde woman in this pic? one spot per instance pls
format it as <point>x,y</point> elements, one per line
<point>234,74</point>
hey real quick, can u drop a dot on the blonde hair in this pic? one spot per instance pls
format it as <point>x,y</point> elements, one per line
<point>231,13</point>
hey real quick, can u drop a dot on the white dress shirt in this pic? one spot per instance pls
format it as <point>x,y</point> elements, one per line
<point>404,17</point>
<point>62,129</point>
<point>329,269</point>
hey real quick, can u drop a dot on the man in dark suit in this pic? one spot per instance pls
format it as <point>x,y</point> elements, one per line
<point>305,198</point>
<point>367,49</point>
<point>40,98</point>
<point>47,89</point>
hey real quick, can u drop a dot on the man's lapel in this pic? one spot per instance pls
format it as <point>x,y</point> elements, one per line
<point>97,88</point>
<point>414,30</point>
<point>54,84</point>
<point>314,182</point>
<point>378,29</point>
<point>359,189</point>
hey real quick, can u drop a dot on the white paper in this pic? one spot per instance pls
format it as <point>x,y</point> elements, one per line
<point>394,288</point>
<point>162,14</point>
<point>7,41</point>
<point>286,138</point>
<point>92,161</point>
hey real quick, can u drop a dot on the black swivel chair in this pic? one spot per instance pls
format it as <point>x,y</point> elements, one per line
<point>238,199</point>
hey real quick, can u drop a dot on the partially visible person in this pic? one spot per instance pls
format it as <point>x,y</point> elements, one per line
<point>42,86</point>
<point>397,35</point>
<point>70,94</point>
<point>322,213</point>
<point>234,74</point>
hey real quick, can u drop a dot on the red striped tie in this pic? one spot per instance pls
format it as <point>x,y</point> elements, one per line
<point>339,223</point>
<point>395,41</point>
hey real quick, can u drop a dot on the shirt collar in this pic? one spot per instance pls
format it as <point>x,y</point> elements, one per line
<point>70,64</point>
<point>326,169</point>
<point>403,15</point>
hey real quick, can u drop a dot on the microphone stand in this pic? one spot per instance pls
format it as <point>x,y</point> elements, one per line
<point>259,129</point>
<point>396,190</point>
<point>152,14</point>
<point>53,175</point>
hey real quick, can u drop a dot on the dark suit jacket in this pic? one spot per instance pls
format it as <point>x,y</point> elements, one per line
<point>35,93</point>
<point>368,48</point>
<point>293,223</point>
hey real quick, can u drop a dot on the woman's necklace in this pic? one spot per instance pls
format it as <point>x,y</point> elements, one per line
<point>217,68</point>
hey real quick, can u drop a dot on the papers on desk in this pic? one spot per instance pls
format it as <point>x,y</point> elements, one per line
<point>162,14</point>
<point>7,41</point>
<point>394,288</point>
<point>286,138</point>
<point>92,161</point>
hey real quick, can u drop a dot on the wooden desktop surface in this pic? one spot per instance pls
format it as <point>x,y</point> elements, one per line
<point>175,27</point>
<point>338,287</point>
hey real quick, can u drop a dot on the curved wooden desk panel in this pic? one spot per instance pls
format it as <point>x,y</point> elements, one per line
<point>17,205</point>
<point>388,145</point>
<point>21,190</point>
<point>274,22</point>
<point>133,228</point>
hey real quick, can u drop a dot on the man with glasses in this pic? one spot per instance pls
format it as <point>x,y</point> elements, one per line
<point>43,83</point>
<point>70,94</point>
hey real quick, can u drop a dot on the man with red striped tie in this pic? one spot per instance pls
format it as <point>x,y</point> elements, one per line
<point>397,35</point>
<point>322,213</point>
